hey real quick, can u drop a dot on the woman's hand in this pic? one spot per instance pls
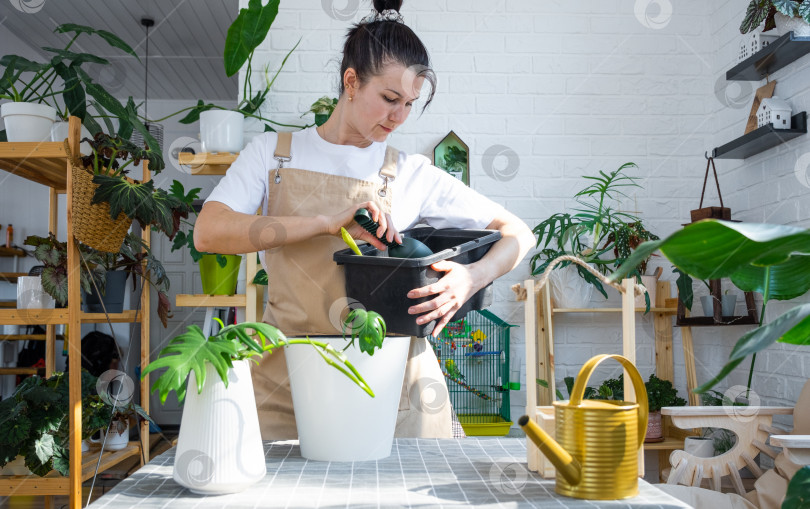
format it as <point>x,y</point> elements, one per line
<point>459,283</point>
<point>345,219</point>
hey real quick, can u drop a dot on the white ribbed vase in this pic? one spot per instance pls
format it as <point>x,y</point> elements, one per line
<point>220,445</point>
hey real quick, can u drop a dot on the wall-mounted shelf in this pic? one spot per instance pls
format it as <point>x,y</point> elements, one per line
<point>207,163</point>
<point>762,139</point>
<point>770,59</point>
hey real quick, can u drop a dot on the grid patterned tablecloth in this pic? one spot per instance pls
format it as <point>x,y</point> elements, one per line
<point>419,473</point>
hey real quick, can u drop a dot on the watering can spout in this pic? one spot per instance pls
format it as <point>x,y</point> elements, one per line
<point>566,465</point>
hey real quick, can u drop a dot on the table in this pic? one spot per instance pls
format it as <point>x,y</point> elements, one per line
<point>470,472</point>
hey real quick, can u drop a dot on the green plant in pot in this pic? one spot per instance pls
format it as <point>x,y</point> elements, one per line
<point>592,232</point>
<point>773,260</point>
<point>660,393</point>
<point>217,367</point>
<point>768,10</point>
<point>219,273</point>
<point>37,83</point>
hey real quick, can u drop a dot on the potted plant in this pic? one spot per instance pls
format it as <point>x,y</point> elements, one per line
<point>219,273</point>
<point>660,393</point>
<point>784,15</point>
<point>627,238</point>
<point>764,258</point>
<point>32,87</point>
<point>589,234</point>
<point>34,422</point>
<point>117,432</point>
<point>217,366</point>
<point>96,269</point>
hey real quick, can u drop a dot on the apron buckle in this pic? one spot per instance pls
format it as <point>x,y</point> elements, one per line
<point>386,177</point>
<point>281,161</point>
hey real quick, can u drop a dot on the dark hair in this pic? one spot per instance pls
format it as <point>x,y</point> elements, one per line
<point>370,46</point>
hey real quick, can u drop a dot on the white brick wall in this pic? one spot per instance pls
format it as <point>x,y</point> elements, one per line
<point>573,88</point>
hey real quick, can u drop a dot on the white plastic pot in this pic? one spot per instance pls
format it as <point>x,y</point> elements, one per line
<point>28,121</point>
<point>219,449</point>
<point>699,446</point>
<point>785,24</point>
<point>30,294</point>
<point>115,441</point>
<point>336,420</point>
<point>222,131</point>
<point>568,289</point>
<point>60,130</point>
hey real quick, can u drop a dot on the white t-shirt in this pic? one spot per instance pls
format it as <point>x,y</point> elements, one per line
<point>422,193</point>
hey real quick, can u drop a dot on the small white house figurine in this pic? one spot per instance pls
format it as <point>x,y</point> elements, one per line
<point>774,111</point>
<point>752,43</point>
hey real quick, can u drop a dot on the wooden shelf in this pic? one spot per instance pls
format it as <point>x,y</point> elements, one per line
<point>669,444</point>
<point>771,58</point>
<point>666,311</point>
<point>60,316</point>
<point>11,251</point>
<point>27,337</point>
<point>22,371</point>
<point>11,277</point>
<point>203,300</point>
<point>55,484</point>
<point>8,304</point>
<point>207,163</point>
<point>762,139</point>
<point>42,162</point>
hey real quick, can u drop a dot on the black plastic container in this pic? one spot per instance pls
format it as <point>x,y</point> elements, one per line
<point>382,284</point>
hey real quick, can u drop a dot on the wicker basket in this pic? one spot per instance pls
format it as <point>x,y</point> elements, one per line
<point>92,225</point>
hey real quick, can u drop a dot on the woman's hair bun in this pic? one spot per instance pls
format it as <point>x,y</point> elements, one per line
<point>383,5</point>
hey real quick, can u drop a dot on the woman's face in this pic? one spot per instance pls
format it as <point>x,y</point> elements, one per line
<point>383,103</point>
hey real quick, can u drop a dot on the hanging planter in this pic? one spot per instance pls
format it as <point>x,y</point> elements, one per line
<point>217,278</point>
<point>92,224</point>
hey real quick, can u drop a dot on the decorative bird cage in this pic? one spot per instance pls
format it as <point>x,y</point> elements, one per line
<point>774,111</point>
<point>752,43</point>
<point>474,355</point>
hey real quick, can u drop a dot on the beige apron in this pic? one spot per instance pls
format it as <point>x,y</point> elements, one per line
<point>306,286</point>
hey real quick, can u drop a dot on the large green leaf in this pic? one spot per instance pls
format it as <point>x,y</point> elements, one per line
<point>112,39</point>
<point>43,447</point>
<point>786,7</point>
<point>73,94</point>
<point>246,32</point>
<point>786,280</point>
<point>74,58</point>
<point>367,327</point>
<point>713,249</point>
<point>132,198</point>
<point>755,14</point>
<point>798,491</point>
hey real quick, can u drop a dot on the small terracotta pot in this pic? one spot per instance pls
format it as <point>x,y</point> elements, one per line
<point>654,431</point>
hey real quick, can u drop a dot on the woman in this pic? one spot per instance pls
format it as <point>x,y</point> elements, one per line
<point>310,184</point>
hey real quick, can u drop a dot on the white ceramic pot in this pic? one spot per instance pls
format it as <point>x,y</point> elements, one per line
<point>30,294</point>
<point>28,121</point>
<point>115,440</point>
<point>219,449</point>
<point>699,446</point>
<point>568,289</point>
<point>785,24</point>
<point>60,130</point>
<point>336,420</point>
<point>222,131</point>
<point>650,283</point>
<point>16,467</point>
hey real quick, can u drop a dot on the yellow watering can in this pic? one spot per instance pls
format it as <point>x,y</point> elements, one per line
<point>597,456</point>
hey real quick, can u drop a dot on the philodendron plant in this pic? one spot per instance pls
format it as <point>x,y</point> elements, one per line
<point>773,260</point>
<point>192,350</point>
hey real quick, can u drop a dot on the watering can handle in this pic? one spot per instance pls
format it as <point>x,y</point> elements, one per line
<point>638,384</point>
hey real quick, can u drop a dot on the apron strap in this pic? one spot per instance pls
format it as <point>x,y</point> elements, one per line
<point>388,172</point>
<point>283,145</point>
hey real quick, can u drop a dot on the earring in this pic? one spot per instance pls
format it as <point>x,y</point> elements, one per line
<point>350,98</point>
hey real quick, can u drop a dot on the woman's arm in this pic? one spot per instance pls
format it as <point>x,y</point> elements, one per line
<point>219,229</point>
<point>460,282</point>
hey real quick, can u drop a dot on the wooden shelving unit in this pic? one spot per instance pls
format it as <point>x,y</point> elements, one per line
<point>46,163</point>
<point>776,55</point>
<point>11,277</point>
<point>762,139</point>
<point>207,163</point>
<point>11,251</point>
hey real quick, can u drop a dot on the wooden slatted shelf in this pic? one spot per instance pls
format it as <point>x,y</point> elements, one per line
<point>669,444</point>
<point>8,304</point>
<point>11,251</point>
<point>55,484</point>
<point>60,316</point>
<point>42,162</point>
<point>207,163</point>
<point>27,337</point>
<point>203,300</point>
<point>11,277</point>
<point>22,371</point>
